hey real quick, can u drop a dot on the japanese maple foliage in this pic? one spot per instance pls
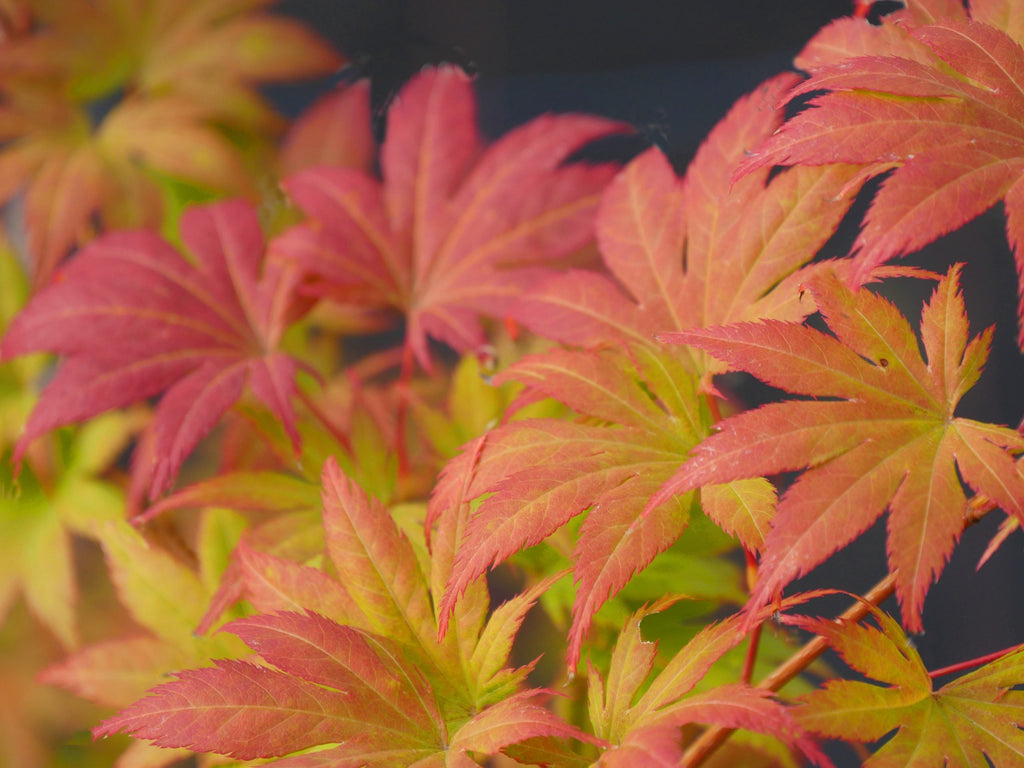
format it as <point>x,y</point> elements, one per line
<point>970,721</point>
<point>452,231</point>
<point>200,331</point>
<point>357,667</point>
<point>934,93</point>
<point>105,107</point>
<point>647,218</point>
<point>880,433</point>
<point>314,588</point>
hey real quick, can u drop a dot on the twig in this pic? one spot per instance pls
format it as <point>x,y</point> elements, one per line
<point>704,745</point>
<point>975,662</point>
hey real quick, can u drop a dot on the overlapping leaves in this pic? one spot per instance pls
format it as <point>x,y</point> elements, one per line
<point>133,318</point>
<point>447,233</point>
<point>670,245</point>
<point>166,598</point>
<point>352,662</point>
<point>60,492</point>
<point>541,474</point>
<point>975,720</point>
<point>640,714</point>
<point>937,97</point>
<point>880,433</point>
<point>99,101</point>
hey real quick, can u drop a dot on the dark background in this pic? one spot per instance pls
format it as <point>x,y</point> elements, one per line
<point>672,69</point>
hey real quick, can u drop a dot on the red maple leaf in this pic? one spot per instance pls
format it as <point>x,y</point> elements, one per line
<point>939,104</point>
<point>335,130</point>
<point>880,433</point>
<point>673,243</point>
<point>132,317</point>
<point>444,236</point>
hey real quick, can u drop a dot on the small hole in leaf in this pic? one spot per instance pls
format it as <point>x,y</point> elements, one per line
<point>883,362</point>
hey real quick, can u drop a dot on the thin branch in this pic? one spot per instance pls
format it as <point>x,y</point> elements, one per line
<point>975,662</point>
<point>709,741</point>
<point>755,637</point>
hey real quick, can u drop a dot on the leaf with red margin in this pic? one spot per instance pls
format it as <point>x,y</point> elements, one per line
<point>973,720</point>
<point>275,584</point>
<point>383,685</point>
<point>508,722</point>
<point>657,747</point>
<point>294,536</point>
<point>632,721</point>
<point>752,235</point>
<point>371,669</point>
<point>247,711</point>
<point>542,473</point>
<point>162,595</point>
<point>330,683</point>
<point>117,672</point>
<point>849,37</point>
<point>133,318</point>
<point>380,572</point>
<point>494,643</point>
<point>948,122</point>
<point>377,565</point>
<point>880,433</point>
<point>451,232</point>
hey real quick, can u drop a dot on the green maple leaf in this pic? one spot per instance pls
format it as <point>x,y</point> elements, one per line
<point>973,722</point>
<point>640,711</point>
<point>352,664</point>
<point>166,598</point>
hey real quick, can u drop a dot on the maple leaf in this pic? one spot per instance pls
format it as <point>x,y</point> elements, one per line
<point>70,175</point>
<point>975,720</point>
<point>79,149</point>
<point>290,538</point>
<point>164,597</point>
<point>541,474</point>
<point>643,723</point>
<point>848,37</point>
<point>335,130</point>
<point>881,432</point>
<point>941,110</point>
<point>133,318</point>
<point>752,234</point>
<point>366,675</point>
<point>58,496</point>
<point>60,492</point>
<point>444,235</point>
